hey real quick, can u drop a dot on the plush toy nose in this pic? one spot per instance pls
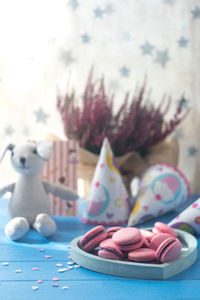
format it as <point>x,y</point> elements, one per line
<point>22,160</point>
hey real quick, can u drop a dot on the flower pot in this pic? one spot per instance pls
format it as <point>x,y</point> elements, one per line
<point>131,164</point>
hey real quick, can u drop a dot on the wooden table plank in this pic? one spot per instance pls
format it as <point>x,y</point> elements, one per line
<point>83,284</point>
<point>98,290</point>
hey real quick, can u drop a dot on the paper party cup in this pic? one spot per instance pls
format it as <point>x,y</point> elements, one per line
<point>162,188</point>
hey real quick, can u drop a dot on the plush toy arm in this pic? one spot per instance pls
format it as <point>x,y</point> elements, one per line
<point>7,188</point>
<point>60,191</point>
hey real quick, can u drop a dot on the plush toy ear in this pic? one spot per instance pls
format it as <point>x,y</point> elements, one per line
<point>45,149</point>
<point>10,147</point>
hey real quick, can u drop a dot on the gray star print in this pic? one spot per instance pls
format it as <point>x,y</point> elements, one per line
<point>162,57</point>
<point>41,116</point>
<point>182,42</point>
<point>67,57</point>
<point>124,71</point>
<point>73,4</point>
<point>192,150</point>
<point>196,12</point>
<point>85,38</point>
<point>9,130</point>
<point>147,48</point>
<point>98,12</point>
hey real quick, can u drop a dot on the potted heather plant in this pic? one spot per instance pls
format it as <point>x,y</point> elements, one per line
<point>139,132</point>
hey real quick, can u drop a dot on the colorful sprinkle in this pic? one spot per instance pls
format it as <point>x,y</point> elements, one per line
<point>112,179</point>
<point>5,264</point>
<point>70,263</point>
<point>18,271</point>
<point>35,269</point>
<point>35,287</point>
<point>158,197</point>
<point>41,250</point>
<point>77,266</point>
<point>63,270</point>
<point>65,287</point>
<point>47,256</point>
<point>96,184</point>
<point>145,207</point>
<point>55,279</point>
<point>55,285</point>
<point>39,281</point>
<point>59,265</point>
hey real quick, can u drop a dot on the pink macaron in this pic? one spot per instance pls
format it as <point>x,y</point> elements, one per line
<point>143,255</point>
<point>160,227</point>
<point>168,250</point>
<point>145,243</point>
<point>147,234</point>
<point>112,230</point>
<point>128,239</point>
<point>92,238</point>
<point>110,250</point>
<point>158,239</point>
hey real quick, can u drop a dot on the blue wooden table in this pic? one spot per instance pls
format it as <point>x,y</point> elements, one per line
<point>35,268</point>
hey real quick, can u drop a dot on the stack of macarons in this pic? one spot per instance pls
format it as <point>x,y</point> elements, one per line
<point>160,245</point>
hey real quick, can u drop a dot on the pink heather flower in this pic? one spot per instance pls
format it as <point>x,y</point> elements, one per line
<point>136,126</point>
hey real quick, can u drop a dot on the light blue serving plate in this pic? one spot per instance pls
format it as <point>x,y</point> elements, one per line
<point>93,262</point>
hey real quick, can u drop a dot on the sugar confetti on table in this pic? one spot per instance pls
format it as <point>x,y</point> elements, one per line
<point>76,266</point>
<point>60,269</point>
<point>40,281</point>
<point>63,270</point>
<point>59,265</point>
<point>55,279</point>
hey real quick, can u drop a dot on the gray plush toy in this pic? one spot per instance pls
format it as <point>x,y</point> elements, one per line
<point>29,204</point>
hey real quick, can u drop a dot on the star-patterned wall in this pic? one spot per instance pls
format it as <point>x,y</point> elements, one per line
<point>45,44</point>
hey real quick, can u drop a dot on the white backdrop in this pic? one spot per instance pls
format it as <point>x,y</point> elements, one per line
<point>43,43</point>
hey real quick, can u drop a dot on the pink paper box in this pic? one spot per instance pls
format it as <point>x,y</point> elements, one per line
<point>62,169</point>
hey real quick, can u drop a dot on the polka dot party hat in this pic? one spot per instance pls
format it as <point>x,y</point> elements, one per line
<point>162,188</point>
<point>189,219</point>
<point>107,201</point>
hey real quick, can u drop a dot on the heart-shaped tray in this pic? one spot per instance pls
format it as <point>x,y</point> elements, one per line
<point>93,262</point>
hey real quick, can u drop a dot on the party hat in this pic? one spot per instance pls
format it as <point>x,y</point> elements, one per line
<point>162,188</point>
<point>189,219</point>
<point>107,201</point>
